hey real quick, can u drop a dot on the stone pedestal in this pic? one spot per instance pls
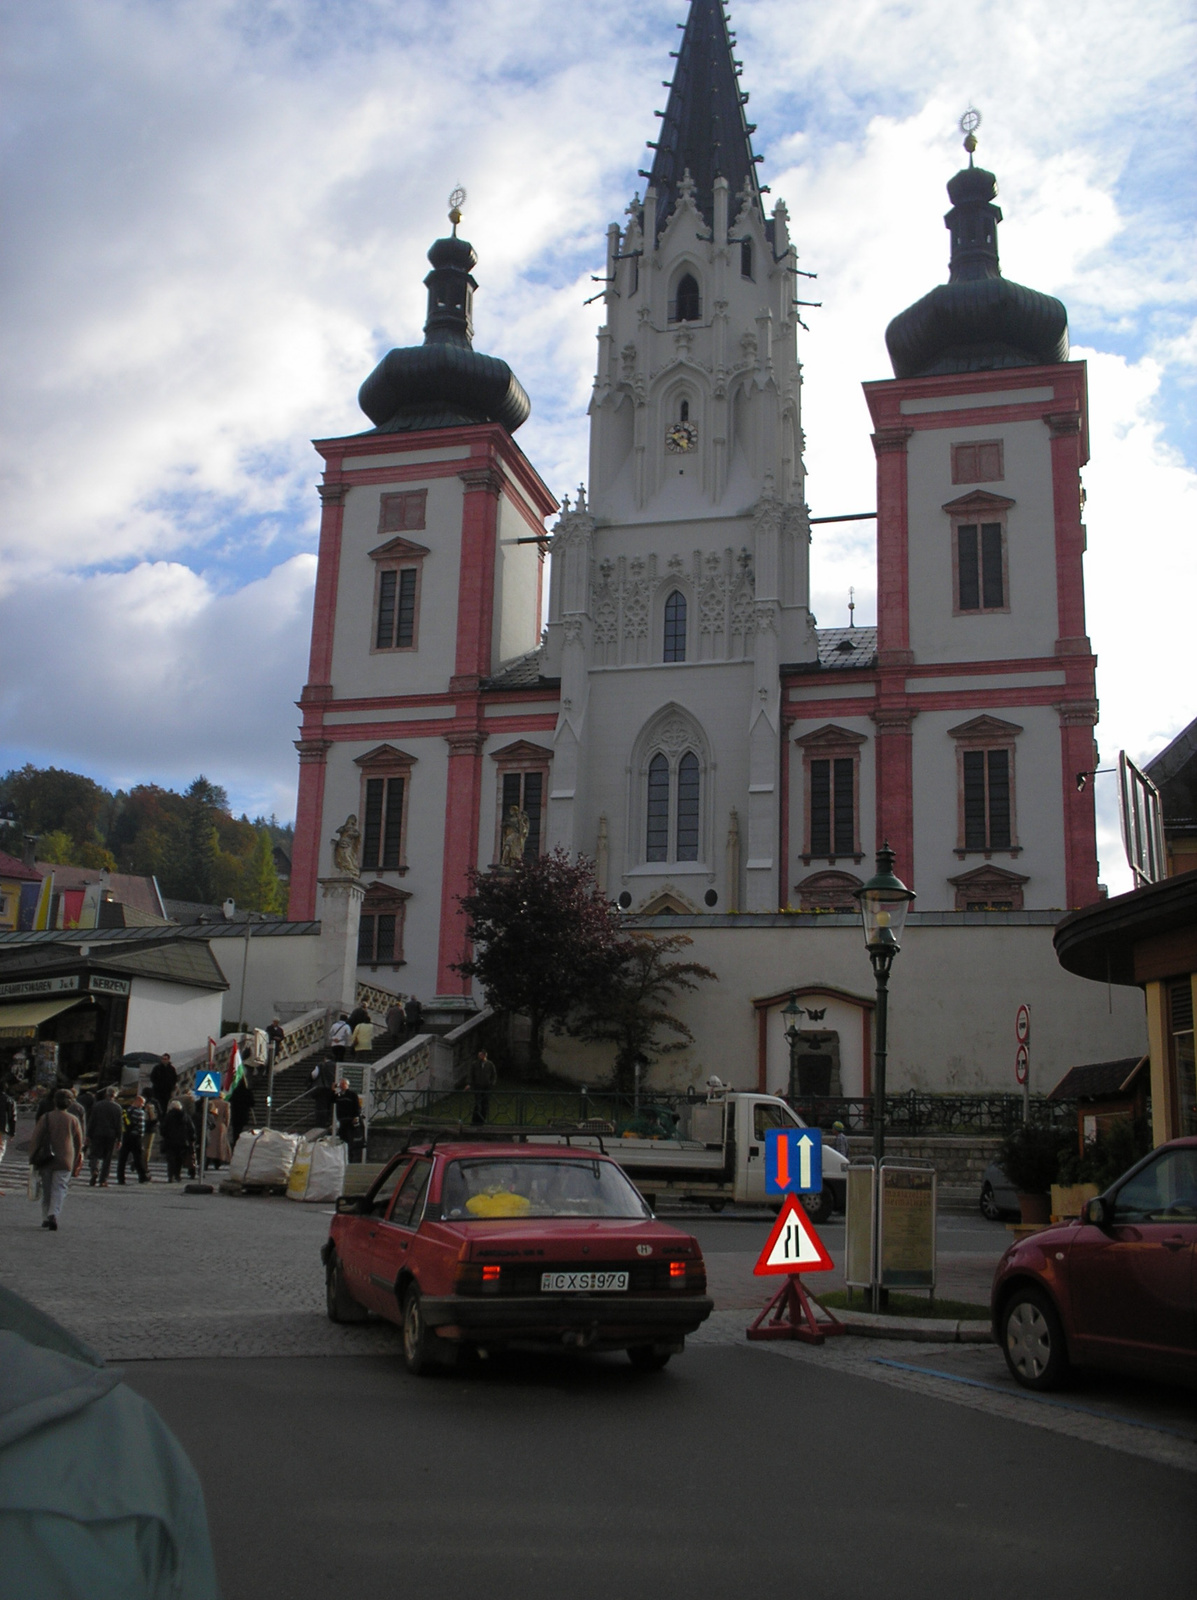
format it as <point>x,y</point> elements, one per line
<point>340,914</point>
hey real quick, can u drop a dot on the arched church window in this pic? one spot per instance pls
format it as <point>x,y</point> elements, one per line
<point>656,836</point>
<point>746,258</point>
<point>675,627</point>
<point>687,807</point>
<point>688,305</point>
<point>683,411</point>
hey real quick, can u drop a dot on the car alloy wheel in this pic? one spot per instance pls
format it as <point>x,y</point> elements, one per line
<point>989,1205</point>
<point>1033,1341</point>
<point>340,1304</point>
<point>818,1207</point>
<point>417,1356</point>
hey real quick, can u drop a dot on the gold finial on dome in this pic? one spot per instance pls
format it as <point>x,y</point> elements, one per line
<point>969,123</point>
<point>456,200</point>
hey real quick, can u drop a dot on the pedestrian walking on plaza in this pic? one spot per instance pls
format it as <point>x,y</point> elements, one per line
<point>105,1127</point>
<point>396,1023</point>
<point>164,1078</point>
<point>483,1078</point>
<point>363,1037</point>
<point>340,1036</point>
<point>839,1139</point>
<point>219,1152</point>
<point>348,1107</point>
<point>358,1014</point>
<point>153,1120</point>
<point>57,1153</point>
<point>133,1142</point>
<point>178,1141</point>
<point>8,1119</point>
<point>324,1077</point>
<point>414,1012</point>
<point>241,1106</point>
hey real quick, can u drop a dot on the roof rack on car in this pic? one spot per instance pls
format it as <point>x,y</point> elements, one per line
<point>492,1133</point>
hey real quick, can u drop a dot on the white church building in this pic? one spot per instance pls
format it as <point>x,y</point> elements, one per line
<point>730,767</point>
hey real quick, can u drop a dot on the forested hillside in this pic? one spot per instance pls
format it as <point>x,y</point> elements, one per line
<point>190,842</point>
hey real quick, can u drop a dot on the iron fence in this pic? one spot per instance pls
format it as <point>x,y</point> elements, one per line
<point>911,1113</point>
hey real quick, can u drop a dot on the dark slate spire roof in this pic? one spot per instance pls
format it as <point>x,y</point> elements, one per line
<point>703,129</point>
<point>978,319</point>
<point>445,382</point>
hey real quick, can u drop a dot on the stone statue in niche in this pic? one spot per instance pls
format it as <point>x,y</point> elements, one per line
<point>347,844</point>
<point>515,837</point>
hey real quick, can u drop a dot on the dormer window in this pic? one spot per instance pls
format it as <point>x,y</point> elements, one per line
<point>687,307</point>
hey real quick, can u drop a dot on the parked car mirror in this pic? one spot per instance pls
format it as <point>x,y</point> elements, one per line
<point>1097,1212</point>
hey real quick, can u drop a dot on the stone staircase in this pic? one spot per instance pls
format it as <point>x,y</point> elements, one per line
<point>294,1111</point>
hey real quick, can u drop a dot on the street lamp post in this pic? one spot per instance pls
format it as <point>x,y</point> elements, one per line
<point>884,902</point>
<point>792,1012</point>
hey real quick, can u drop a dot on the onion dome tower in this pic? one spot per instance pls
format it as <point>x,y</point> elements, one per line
<point>978,320</point>
<point>445,382</point>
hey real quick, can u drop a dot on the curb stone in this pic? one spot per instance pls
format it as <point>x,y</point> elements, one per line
<point>925,1330</point>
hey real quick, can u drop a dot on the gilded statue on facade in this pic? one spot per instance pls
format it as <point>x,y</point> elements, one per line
<point>515,837</point>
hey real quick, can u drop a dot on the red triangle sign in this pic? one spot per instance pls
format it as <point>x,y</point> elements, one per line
<point>793,1245</point>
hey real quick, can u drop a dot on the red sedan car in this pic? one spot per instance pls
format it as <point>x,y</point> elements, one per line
<point>478,1244</point>
<point>1118,1289</point>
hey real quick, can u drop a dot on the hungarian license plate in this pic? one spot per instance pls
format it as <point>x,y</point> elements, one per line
<point>583,1282</point>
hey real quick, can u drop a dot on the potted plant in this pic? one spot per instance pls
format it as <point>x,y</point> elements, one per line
<point>1030,1158</point>
<point>1084,1175</point>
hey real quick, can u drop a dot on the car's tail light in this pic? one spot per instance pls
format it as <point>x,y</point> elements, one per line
<point>472,1277</point>
<point>688,1274</point>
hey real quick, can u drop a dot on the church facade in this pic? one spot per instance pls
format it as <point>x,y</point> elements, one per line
<point>730,766</point>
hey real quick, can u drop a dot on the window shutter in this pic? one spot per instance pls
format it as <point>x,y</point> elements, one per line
<point>845,820</point>
<point>999,799</point>
<point>820,808</point>
<point>384,637</point>
<point>657,831</point>
<point>372,834</point>
<point>392,834</point>
<point>974,800</point>
<point>687,807</point>
<point>966,559</point>
<point>991,566</point>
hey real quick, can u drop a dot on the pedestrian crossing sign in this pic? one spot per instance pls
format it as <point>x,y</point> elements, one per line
<point>207,1081</point>
<point>793,1245</point>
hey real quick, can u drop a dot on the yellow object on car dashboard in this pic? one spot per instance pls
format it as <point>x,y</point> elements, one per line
<point>499,1204</point>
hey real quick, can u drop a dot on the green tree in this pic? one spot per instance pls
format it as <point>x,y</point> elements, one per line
<point>56,847</point>
<point>632,1011</point>
<point>545,938</point>
<point>50,800</point>
<point>260,888</point>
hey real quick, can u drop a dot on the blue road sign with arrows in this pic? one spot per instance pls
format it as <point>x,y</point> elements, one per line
<point>793,1161</point>
<point>207,1082</point>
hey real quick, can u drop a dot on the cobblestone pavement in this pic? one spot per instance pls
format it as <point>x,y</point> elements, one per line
<point>146,1272</point>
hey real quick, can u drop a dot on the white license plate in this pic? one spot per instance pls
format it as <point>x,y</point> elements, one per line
<point>583,1282</point>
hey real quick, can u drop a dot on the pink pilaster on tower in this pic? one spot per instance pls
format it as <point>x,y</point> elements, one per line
<point>460,854</point>
<point>476,587</point>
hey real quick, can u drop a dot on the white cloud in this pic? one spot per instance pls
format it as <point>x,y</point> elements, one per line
<point>217,218</point>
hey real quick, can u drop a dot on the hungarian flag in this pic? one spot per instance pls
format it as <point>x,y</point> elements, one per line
<point>233,1073</point>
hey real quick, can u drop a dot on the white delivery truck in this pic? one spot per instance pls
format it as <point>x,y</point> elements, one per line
<point>717,1154</point>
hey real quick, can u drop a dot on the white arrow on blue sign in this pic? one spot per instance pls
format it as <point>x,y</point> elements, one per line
<point>793,1161</point>
<point>207,1082</point>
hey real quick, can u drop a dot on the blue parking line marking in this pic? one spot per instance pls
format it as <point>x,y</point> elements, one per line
<point>1037,1399</point>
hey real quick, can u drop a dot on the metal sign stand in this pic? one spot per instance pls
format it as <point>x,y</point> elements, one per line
<point>791,1316</point>
<point>203,1095</point>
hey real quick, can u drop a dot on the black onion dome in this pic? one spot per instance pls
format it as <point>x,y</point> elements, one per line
<point>445,382</point>
<point>978,319</point>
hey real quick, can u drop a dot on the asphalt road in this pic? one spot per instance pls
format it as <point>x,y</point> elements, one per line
<point>732,1474</point>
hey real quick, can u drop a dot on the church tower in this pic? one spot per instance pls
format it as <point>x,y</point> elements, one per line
<point>680,586</point>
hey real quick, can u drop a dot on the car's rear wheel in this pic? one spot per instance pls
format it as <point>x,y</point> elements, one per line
<point>341,1305</point>
<point>648,1357</point>
<point>1033,1340</point>
<point>417,1337</point>
<point>989,1205</point>
<point>818,1207</point>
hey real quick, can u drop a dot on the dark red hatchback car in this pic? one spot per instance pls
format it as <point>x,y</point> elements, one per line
<point>480,1245</point>
<point>1118,1289</point>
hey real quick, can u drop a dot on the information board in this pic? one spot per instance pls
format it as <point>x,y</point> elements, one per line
<point>906,1241</point>
<point>858,1226</point>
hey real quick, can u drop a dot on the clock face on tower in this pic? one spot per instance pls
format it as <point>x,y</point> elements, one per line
<point>681,437</point>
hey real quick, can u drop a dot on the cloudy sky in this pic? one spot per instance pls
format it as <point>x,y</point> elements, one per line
<point>216,213</point>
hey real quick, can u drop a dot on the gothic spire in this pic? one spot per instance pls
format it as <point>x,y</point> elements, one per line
<point>703,130</point>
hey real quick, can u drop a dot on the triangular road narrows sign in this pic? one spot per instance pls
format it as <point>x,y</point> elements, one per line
<point>793,1245</point>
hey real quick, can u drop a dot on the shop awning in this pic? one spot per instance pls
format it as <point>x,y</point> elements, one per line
<point>22,1018</point>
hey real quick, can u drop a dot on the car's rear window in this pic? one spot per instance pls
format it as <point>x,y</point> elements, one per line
<point>486,1190</point>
